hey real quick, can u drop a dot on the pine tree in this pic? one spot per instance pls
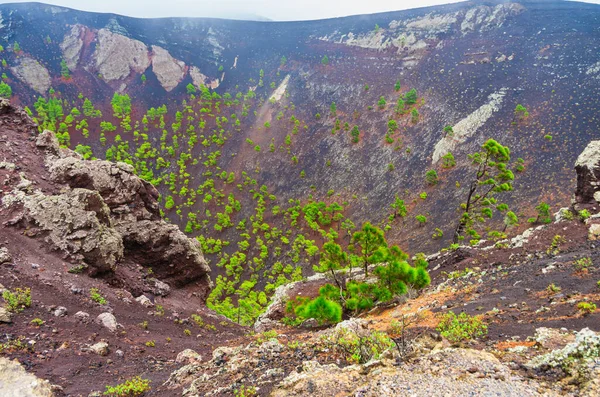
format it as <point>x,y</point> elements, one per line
<point>370,238</point>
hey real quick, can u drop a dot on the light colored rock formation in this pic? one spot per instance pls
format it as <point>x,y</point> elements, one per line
<point>278,93</point>
<point>116,56</point>
<point>200,79</point>
<point>108,321</point>
<point>588,174</point>
<point>468,126</point>
<point>483,18</point>
<point>76,222</point>
<point>16,382</point>
<point>71,46</point>
<point>32,73</point>
<point>168,70</point>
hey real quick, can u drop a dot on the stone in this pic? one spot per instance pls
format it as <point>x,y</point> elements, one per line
<point>144,301</point>
<point>71,46</point>
<point>100,348</point>
<point>108,321</point>
<point>60,311</point>
<point>5,256</point>
<point>221,354</point>
<point>594,232</point>
<point>5,316</point>
<point>159,287</point>
<point>16,382</point>
<point>188,356</point>
<point>82,316</point>
<point>587,167</point>
<point>76,222</point>
<point>48,141</point>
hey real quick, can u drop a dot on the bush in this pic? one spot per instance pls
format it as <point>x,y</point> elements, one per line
<point>462,327</point>
<point>321,309</point>
<point>586,308</point>
<point>359,348</point>
<point>97,297</point>
<point>131,388</point>
<point>18,300</point>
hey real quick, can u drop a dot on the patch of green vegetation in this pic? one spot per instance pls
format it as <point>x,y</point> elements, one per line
<point>462,327</point>
<point>17,300</point>
<point>133,387</point>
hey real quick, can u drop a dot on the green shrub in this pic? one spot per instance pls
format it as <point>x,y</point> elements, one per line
<point>462,327</point>
<point>38,322</point>
<point>18,300</point>
<point>586,308</point>
<point>321,309</point>
<point>97,297</point>
<point>266,336</point>
<point>583,264</point>
<point>358,348</point>
<point>133,387</point>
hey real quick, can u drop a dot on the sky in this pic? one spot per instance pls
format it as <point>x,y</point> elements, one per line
<point>279,10</point>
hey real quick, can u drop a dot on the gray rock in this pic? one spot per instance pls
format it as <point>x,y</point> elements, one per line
<point>159,287</point>
<point>144,301</point>
<point>100,348</point>
<point>5,256</point>
<point>47,140</point>
<point>108,321</point>
<point>60,311</point>
<point>16,382</point>
<point>188,356</point>
<point>5,316</point>
<point>82,316</point>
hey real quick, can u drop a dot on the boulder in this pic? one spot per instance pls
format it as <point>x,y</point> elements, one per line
<point>171,254</point>
<point>121,190</point>
<point>5,316</point>
<point>144,301</point>
<point>60,311</point>
<point>16,382</point>
<point>82,316</point>
<point>76,222</point>
<point>48,141</point>
<point>188,356</point>
<point>100,348</point>
<point>5,256</point>
<point>587,167</point>
<point>108,321</point>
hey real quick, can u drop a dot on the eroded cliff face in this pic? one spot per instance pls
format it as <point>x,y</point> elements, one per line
<point>117,56</point>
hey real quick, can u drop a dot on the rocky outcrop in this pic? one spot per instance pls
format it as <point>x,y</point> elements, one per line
<point>200,79</point>
<point>116,56</point>
<point>467,127</point>
<point>16,382</point>
<point>168,70</point>
<point>587,167</point>
<point>172,256</point>
<point>71,46</point>
<point>103,216</point>
<point>122,191</point>
<point>32,73</point>
<point>77,223</point>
